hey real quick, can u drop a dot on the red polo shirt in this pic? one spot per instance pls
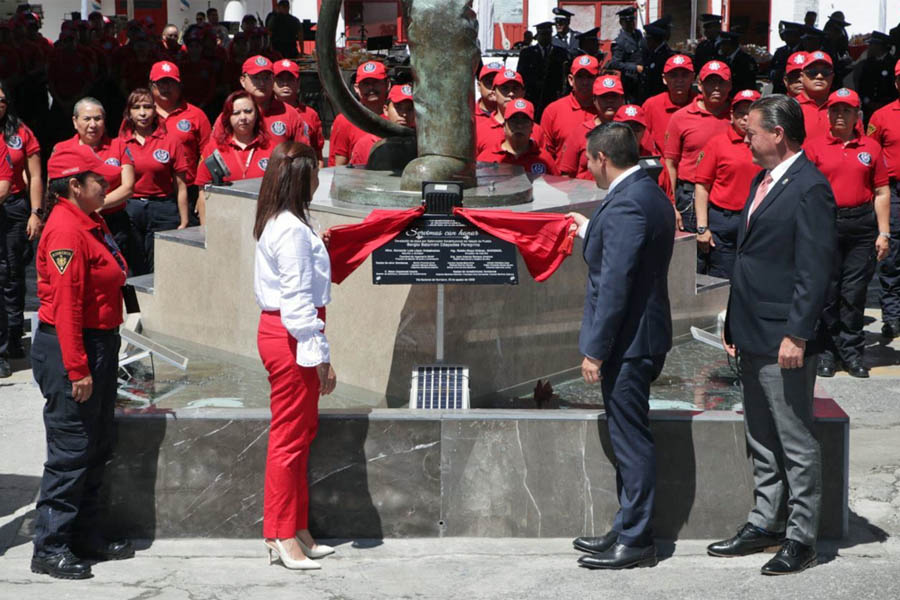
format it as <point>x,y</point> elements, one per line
<point>560,117</point>
<point>79,281</point>
<point>21,145</point>
<point>658,110</point>
<point>490,133</point>
<point>112,151</point>
<point>689,130</point>
<point>6,167</point>
<point>815,117</point>
<point>573,158</point>
<point>344,135</point>
<point>359,154</point>
<point>312,127</point>
<point>725,166</point>
<point>156,162</point>
<point>243,163</point>
<point>190,126</point>
<point>884,128</point>
<point>536,161</point>
<point>854,169</point>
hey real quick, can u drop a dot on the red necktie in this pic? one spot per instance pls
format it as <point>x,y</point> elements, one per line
<point>760,194</point>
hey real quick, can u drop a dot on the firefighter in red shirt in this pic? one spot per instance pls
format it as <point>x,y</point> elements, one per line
<point>725,170</point>
<point>884,128</point>
<point>817,76</point>
<point>287,89</point>
<point>400,110</point>
<point>792,72</point>
<point>508,86</point>
<point>689,130</point>
<point>372,88</point>
<point>609,96</point>
<point>678,75</point>
<point>561,116</point>
<point>858,175</point>
<point>80,274</point>
<point>486,104</point>
<point>188,123</point>
<point>634,116</point>
<point>517,146</point>
<point>6,177</point>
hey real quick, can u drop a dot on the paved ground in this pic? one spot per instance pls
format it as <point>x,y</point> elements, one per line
<point>865,565</point>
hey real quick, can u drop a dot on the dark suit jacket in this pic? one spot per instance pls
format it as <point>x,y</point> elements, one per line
<point>743,71</point>
<point>628,246</point>
<point>784,263</point>
<point>544,76</point>
<point>628,51</point>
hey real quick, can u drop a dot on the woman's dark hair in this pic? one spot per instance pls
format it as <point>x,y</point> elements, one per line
<point>10,123</point>
<point>226,131</point>
<point>127,127</point>
<point>58,189</point>
<point>287,184</point>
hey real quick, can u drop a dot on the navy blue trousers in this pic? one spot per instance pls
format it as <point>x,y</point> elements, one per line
<point>15,251</point>
<point>626,397</point>
<point>79,442</point>
<point>149,215</point>
<point>719,261</point>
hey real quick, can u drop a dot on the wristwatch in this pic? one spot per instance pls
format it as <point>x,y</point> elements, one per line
<point>38,211</point>
<point>701,229</point>
<point>884,235</point>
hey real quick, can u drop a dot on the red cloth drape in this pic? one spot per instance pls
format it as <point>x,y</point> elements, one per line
<point>543,239</point>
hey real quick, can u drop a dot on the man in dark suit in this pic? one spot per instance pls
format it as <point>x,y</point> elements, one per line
<point>543,68</point>
<point>658,52</point>
<point>628,51</point>
<point>706,49</point>
<point>626,332</point>
<point>786,239</point>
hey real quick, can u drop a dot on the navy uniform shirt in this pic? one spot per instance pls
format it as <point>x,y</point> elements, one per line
<point>628,51</point>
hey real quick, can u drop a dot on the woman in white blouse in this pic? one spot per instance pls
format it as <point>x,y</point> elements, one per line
<point>292,284</point>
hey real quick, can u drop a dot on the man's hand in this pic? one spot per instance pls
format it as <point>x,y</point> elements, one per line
<point>327,378</point>
<point>790,355</point>
<point>579,218</point>
<point>590,369</point>
<point>882,247</point>
<point>705,241</point>
<point>82,389</point>
<point>729,348</point>
<point>679,222</point>
<point>33,228</point>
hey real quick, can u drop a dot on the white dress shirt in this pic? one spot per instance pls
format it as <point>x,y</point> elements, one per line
<point>781,169</point>
<point>293,275</point>
<point>583,229</point>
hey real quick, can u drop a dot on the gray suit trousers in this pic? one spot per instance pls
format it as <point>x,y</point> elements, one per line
<point>786,460</point>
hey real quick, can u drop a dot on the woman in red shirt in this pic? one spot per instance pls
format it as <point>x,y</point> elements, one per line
<point>19,224</point>
<point>859,177</point>
<point>159,201</point>
<point>242,143</point>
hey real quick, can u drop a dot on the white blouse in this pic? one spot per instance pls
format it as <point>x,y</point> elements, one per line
<point>293,275</point>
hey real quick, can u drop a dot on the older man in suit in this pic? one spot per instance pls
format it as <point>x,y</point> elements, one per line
<point>786,244</point>
<point>626,332</point>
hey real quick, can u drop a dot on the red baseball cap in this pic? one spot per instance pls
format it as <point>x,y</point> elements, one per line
<point>715,67</point>
<point>371,70</point>
<point>507,75</point>
<point>70,160</point>
<point>257,64</point>
<point>678,61</point>
<point>492,68</point>
<point>745,96</point>
<point>897,69</point>
<point>165,70</point>
<point>287,66</point>
<point>608,84</point>
<point>585,62</point>
<point>844,96</point>
<point>399,93</point>
<point>631,112</point>
<point>817,56</point>
<point>519,106</point>
<point>795,62</point>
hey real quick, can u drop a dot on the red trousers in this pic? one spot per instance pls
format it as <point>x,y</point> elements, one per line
<point>295,419</point>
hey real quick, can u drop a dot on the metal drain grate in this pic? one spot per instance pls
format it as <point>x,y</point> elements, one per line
<point>439,387</point>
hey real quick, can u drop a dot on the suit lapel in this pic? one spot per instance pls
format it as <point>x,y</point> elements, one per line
<point>605,202</point>
<point>773,194</point>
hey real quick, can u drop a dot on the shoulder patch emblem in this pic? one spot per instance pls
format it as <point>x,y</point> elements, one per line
<point>113,162</point>
<point>61,259</point>
<point>872,128</point>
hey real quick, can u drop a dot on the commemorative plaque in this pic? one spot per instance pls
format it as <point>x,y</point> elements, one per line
<point>445,249</point>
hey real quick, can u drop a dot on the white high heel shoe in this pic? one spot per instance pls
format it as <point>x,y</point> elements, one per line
<point>279,552</point>
<point>320,551</point>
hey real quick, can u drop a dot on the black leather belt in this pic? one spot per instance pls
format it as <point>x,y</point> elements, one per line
<point>47,328</point>
<point>855,211</point>
<point>724,211</point>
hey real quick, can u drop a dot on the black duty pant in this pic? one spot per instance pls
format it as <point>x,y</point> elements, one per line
<point>889,268</point>
<point>626,399</point>
<point>853,270</point>
<point>79,441</point>
<point>193,195</point>
<point>15,251</point>
<point>684,202</point>
<point>150,215</point>
<point>129,241</point>
<point>719,261</point>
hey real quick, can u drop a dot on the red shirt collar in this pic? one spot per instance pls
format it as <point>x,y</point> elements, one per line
<point>831,140</point>
<point>802,98</point>
<point>157,133</point>
<point>669,105</point>
<point>733,136</point>
<point>532,149</point>
<point>84,221</point>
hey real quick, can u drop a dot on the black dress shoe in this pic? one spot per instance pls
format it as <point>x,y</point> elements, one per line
<point>596,545</point>
<point>105,550</point>
<point>890,329</point>
<point>620,556</point>
<point>792,558</point>
<point>749,540</point>
<point>826,367</point>
<point>5,369</point>
<point>856,369</point>
<point>64,565</point>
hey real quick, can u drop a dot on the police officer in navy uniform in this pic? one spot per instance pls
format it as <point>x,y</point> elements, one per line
<point>706,49</point>
<point>565,37</point>
<point>837,44</point>
<point>790,35</point>
<point>743,66</point>
<point>628,51</point>
<point>543,68</point>
<point>80,274</point>
<point>875,75</point>
<point>589,44</point>
<point>658,52</point>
